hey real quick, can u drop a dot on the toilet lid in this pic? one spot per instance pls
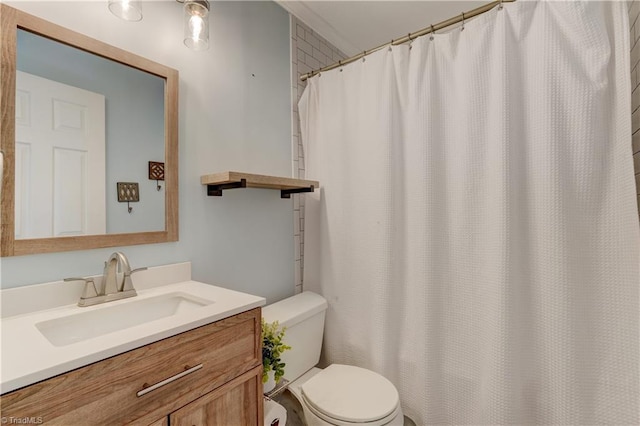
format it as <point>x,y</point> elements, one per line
<point>351,394</point>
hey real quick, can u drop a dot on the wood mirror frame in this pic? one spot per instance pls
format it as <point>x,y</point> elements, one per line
<point>11,20</point>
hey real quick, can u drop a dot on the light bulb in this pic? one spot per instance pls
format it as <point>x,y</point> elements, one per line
<point>196,24</point>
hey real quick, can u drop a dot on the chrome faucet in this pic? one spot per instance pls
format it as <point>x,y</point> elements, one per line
<point>116,282</point>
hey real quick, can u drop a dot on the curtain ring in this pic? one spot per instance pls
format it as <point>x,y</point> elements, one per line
<point>462,28</point>
<point>432,33</point>
<point>410,40</point>
<point>500,5</point>
<point>364,53</point>
<point>340,65</point>
<point>390,44</point>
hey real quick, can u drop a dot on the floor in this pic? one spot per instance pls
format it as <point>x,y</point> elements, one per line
<point>295,416</point>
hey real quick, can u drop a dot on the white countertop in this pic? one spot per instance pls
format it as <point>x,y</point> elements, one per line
<point>29,357</point>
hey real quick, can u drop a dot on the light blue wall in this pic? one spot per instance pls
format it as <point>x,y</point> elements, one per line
<point>132,97</point>
<point>234,115</point>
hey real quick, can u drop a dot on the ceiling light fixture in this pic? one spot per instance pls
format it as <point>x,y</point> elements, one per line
<point>129,10</point>
<point>196,19</point>
<point>196,24</point>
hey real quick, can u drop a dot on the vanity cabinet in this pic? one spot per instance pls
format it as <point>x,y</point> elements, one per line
<point>211,373</point>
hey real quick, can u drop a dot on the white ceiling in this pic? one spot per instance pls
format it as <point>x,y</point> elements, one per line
<point>355,26</point>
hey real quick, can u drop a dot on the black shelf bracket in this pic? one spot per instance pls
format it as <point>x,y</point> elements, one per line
<point>216,190</point>
<point>286,193</point>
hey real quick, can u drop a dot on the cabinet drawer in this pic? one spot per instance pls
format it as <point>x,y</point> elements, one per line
<point>106,392</point>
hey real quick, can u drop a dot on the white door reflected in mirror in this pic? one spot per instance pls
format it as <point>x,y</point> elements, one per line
<point>60,159</point>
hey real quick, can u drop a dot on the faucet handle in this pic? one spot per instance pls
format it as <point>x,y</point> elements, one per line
<point>89,287</point>
<point>78,279</point>
<point>127,285</point>
<point>144,268</point>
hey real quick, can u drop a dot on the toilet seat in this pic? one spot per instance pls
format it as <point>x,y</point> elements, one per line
<point>335,422</point>
<point>348,395</point>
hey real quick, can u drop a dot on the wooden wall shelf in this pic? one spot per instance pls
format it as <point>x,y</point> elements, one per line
<point>218,182</point>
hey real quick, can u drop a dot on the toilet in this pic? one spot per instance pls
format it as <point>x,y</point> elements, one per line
<point>338,395</point>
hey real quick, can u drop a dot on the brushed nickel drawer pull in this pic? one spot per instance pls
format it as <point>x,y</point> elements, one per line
<point>188,370</point>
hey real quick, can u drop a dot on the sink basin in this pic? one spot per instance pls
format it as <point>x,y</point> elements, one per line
<point>108,319</point>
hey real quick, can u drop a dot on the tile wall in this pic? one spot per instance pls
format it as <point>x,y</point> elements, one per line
<point>309,51</point>
<point>634,25</point>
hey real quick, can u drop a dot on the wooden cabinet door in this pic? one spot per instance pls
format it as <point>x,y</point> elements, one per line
<point>237,403</point>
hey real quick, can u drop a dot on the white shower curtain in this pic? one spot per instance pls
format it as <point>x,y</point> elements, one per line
<point>476,232</point>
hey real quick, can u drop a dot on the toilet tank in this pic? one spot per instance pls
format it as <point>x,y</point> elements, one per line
<point>303,317</point>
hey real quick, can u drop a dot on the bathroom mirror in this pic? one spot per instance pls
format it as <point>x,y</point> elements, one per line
<point>78,117</point>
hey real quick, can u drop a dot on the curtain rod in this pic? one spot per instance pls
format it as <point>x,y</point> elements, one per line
<point>430,29</point>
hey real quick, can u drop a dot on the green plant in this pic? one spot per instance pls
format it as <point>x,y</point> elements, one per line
<point>272,348</point>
